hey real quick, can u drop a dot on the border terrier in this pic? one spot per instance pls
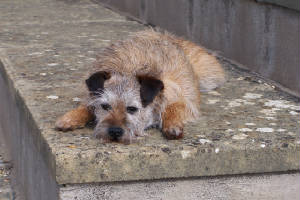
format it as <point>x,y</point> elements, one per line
<point>151,79</point>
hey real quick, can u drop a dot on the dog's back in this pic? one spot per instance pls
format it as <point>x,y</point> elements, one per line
<point>207,69</point>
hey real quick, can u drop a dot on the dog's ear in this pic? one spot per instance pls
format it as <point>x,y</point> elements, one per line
<point>95,82</point>
<point>150,87</point>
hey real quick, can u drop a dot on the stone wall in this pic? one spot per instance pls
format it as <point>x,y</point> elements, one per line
<point>262,37</point>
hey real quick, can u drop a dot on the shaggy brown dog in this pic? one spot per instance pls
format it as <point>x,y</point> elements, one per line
<point>150,79</point>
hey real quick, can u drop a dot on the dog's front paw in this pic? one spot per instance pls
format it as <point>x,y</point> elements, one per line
<point>67,123</point>
<point>76,118</point>
<point>173,132</point>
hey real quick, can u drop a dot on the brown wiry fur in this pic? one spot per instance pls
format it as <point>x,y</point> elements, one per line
<point>183,67</point>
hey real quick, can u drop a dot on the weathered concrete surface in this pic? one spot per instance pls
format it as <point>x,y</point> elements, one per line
<point>262,37</point>
<point>262,187</point>
<point>47,47</point>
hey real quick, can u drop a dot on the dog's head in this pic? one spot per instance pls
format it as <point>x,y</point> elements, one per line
<point>121,105</point>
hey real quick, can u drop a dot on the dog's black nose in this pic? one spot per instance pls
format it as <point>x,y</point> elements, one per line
<point>115,132</point>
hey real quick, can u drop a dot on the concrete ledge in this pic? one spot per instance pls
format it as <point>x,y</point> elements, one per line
<point>263,37</point>
<point>47,47</point>
<point>251,187</point>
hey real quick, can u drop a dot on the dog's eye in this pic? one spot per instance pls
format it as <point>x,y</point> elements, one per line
<point>131,109</point>
<point>105,106</point>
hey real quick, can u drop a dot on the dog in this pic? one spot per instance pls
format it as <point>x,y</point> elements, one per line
<point>153,78</point>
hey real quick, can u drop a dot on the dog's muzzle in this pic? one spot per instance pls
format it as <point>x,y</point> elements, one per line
<point>115,132</point>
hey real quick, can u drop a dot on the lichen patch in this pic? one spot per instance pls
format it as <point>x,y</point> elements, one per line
<point>293,113</point>
<point>241,136</point>
<point>278,104</point>
<point>52,64</point>
<point>265,130</point>
<point>204,141</point>
<point>269,112</point>
<point>185,154</point>
<point>263,145</point>
<point>212,101</point>
<point>76,99</point>
<point>252,96</point>
<point>35,54</point>
<point>239,102</point>
<point>250,124</point>
<point>52,97</point>
<point>281,130</point>
<point>245,129</point>
<point>215,93</point>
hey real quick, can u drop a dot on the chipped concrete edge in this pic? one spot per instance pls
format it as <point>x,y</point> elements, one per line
<point>201,162</point>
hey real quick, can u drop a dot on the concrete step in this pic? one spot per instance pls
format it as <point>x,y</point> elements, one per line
<point>46,47</point>
<point>250,187</point>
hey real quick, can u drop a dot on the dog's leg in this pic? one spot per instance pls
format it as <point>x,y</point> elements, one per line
<point>172,121</point>
<point>76,118</point>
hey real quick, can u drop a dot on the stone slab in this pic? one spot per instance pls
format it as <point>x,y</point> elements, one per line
<point>251,187</point>
<point>46,48</point>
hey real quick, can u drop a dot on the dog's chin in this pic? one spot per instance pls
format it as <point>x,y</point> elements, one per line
<point>127,139</point>
<point>105,138</point>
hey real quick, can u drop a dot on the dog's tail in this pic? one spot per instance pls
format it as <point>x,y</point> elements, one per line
<point>206,67</point>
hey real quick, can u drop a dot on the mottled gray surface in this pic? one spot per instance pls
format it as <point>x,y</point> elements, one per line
<point>48,46</point>
<point>258,187</point>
